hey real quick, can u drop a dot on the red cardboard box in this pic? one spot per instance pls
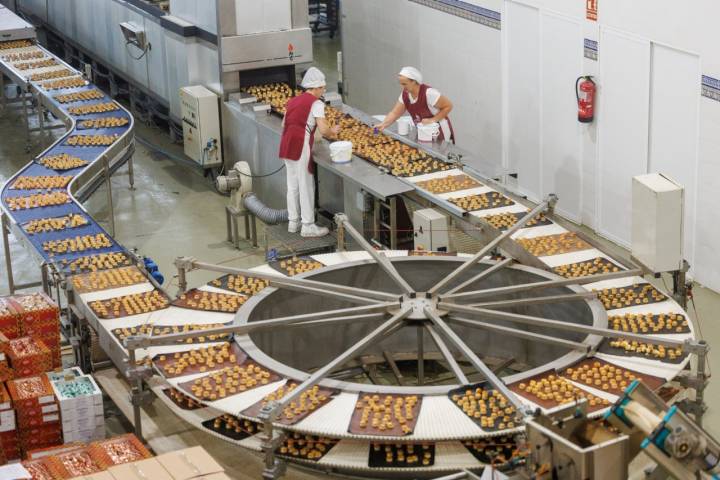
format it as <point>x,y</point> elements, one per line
<point>9,319</point>
<point>37,312</point>
<point>30,392</point>
<point>29,356</point>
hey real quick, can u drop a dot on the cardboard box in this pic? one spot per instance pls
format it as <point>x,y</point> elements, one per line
<point>214,476</point>
<point>189,463</point>
<point>9,318</point>
<point>85,436</point>
<point>28,356</point>
<point>142,470</point>
<point>57,449</point>
<point>67,374</point>
<point>36,311</point>
<point>31,392</point>
<point>119,450</point>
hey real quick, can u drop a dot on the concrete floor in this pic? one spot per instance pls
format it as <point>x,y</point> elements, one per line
<point>173,211</point>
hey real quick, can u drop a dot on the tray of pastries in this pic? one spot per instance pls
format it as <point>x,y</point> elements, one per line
<point>229,381</point>
<point>607,377</point>
<point>74,463</point>
<point>84,96</point>
<point>240,284</point>
<point>123,333</point>
<point>401,455</point>
<point>210,301</point>
<point>308,402</point>
<point>296,265</point>
<point>103,107</point>
<point>274,94</point>
<point>181,400</point>
<point>233,427</point>
<point>483,201</point>
<point>91,140</point>
<point>55,224</point>
<point>487,407</point>
<point>630,296</point>
<point>130,305</point>
<point>107,279</point>
<point>61,73</point>
<point>33,65</point>
<point>201,360</point>
<point>97,262</point>
<point>41,182</point>
<point>385,415</point>
<point>74,82</point>
<point>421,166</point>
<point>38,200</point>
<point>80,243</point>
<point>429,253</point>
<point>650,323</point>
<point>160,330</point>
<point>493,451</point>
<point>632,348</point>
<point>554,244</point>
<point>550,390</point>
<point>596,266</point>
<point>13,44</point>
<point>18,57</point>
<point>306,447</point>
<point>104,122</point>
<point>62,161</point>
<point>451,183</point>
<point>503,221</point>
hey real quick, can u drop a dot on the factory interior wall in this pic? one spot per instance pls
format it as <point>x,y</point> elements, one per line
<point>515,101</point>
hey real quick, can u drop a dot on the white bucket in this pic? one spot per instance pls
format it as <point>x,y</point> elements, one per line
<point>404,125</point>
<point>341,152</point>
<point>428,133</point>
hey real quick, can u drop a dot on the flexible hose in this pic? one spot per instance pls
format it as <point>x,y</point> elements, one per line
<point>270,216</point>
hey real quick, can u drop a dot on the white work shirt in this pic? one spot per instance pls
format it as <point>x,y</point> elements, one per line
<point>316,111</point>
<point>432,95</point>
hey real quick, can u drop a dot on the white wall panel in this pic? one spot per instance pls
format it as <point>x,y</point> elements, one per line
<point>474,82</point>
<point>562,55</point>
<point>623,138</point>
<point>522,24</point>
<point>674,126</point>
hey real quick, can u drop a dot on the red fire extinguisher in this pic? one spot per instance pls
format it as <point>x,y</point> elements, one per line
<point>585,92</point>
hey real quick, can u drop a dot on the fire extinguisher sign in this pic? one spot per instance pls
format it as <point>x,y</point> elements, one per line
<point>591,6</point>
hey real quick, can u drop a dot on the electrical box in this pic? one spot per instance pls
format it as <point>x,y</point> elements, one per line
<point>657,222</point>
<point>431,230</point>
<point>201,125</point>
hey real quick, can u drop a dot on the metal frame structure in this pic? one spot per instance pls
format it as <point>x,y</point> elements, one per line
<point>434,311</point>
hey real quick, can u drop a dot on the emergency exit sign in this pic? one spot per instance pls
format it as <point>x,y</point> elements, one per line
<point>591,6</point>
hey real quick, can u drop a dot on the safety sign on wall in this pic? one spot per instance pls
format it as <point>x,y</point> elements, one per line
<point>591,7</point>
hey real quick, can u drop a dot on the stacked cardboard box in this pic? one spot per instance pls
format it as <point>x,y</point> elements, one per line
<point>9,319</point>
<point>39,317</point>
<point>191,463</point>
<point>81,408</point>
<point>8,427</point>
<point>28,356</point>
<point>36,412</point>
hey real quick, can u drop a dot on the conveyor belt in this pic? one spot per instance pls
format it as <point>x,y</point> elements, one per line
<point>439,422</point>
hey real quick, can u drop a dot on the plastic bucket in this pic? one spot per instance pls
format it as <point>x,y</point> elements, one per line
<point>341,152</point>
<point>404,125</point>
<point>428,133</point>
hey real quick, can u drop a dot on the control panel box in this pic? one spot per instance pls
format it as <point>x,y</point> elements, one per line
<point>431,230</point>
<point>201,125</point>
<point>657,222</point>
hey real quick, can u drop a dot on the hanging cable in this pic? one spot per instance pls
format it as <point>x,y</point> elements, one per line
<point>144,51</point>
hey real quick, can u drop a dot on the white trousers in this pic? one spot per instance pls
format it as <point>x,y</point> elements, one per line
<point>300,189</point>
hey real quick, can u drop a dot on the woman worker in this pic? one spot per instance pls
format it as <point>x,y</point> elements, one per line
<point>425,104</point>
<point>305,113</point>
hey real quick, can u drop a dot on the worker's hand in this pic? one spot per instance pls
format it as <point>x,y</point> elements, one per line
<point>335,130</point>
<point>428,121</point>
<point>381,126</point>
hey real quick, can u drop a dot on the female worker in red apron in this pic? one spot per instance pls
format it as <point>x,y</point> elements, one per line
<point>305,114</point>
<point>424,104</point>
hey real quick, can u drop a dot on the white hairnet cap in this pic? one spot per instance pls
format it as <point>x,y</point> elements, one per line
<point>412,73</point>
<point>313,78</point>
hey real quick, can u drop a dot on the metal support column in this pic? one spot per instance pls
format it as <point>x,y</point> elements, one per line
<point>6,249</point>
<point>108,180</point>
<point>40,114</point>
<point>26,118</point>
<point>131,172</point>
<point>421,354</point>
